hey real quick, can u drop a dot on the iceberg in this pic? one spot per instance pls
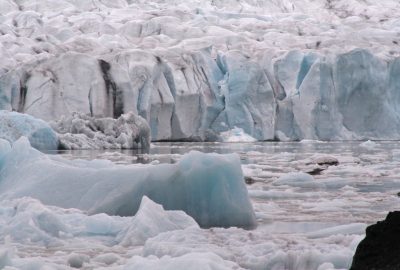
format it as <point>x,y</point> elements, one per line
<point>151,220</point>
<point>208,187</point>
<point>236,135</point>
<point>81,131</point>
<point>14,125</point>
<point>28,221</point>
<point>195,261</point>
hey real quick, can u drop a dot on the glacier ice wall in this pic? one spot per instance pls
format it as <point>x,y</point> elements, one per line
<point>208,187</point>
<point>287,70</point>
<point>352,96</point>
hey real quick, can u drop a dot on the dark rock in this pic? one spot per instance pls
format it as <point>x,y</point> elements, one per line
<point>327,160</point>
<point>316,170</point>
<point>380,249</point>
<point>249,180</point>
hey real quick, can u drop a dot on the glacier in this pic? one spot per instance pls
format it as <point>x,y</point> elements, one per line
<point>121,73</point>
<point>279,70</point>
<point>208,187</point>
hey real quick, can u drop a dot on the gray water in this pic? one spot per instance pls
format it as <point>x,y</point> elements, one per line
<point>369,174</point>
<point>302,222</point>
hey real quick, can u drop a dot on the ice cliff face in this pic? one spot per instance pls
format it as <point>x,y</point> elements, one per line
<point>277,69</point>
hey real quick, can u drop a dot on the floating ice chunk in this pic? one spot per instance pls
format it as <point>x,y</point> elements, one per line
<point>77,260</point>
<point>354,228</point>
<point>309,259</point>
<point>13,125</point>
<point>278,195</point>
<point>396,154</point>
<point>80,131</point>
<point>151,220</point>
<point>236,135</point>
<point>100,224</point>
<point>326,160</point>
<point>326,266</point>
<point>259,249</point>
<point>108,258</point>
<point>5,258</point>
<point>295,179</point>
<point>208,187</point>
<point>29,221</point>
<point>368,144</point>
<point>308,141</point>
<point>194,261</point>
<point>5,147</point>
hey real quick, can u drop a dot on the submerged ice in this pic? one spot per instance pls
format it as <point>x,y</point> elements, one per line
<point>208,187</point>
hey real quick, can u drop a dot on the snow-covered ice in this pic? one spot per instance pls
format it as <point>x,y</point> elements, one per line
<point>288,70</point>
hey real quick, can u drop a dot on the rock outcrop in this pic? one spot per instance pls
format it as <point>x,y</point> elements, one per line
<point>381,247</point>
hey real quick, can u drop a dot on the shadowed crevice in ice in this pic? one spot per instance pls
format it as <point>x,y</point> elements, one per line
<point>208,187</point>
<point>113,94</point>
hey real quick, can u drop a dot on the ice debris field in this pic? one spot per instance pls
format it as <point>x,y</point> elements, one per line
<point>58,211</point>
